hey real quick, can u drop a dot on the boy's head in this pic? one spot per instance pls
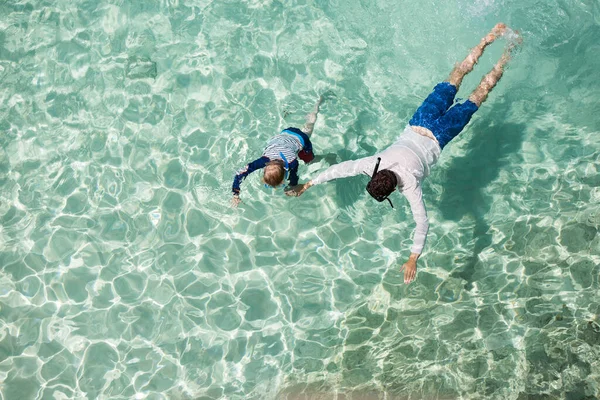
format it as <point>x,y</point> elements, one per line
<point>274,173</point>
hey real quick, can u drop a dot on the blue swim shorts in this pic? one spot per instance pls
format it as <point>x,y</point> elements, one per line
<point>437,115</point>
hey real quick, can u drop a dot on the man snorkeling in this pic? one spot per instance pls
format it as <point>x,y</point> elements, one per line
<point>407,162</point>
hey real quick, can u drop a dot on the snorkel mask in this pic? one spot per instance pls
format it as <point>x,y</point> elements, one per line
<point>378,197</point>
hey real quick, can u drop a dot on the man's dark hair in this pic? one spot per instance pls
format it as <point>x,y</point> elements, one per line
<point>382,184</point>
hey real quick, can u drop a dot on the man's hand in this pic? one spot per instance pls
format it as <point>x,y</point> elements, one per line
<point>410,268</point>
<point>297,190</point>
<point>235,201</point>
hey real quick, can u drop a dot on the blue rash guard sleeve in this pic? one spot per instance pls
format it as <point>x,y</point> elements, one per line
<point>293,178</point>
<point>247,170</point>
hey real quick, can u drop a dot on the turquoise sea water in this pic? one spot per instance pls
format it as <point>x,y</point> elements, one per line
<point>125,273</point>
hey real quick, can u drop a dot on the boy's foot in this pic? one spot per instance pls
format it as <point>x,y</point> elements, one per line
<point>328,94</point>
<point>235,201</point>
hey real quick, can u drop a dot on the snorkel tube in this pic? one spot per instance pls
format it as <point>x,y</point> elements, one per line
<point>378,197</point>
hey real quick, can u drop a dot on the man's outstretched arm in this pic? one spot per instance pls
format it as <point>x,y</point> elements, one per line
<point>415,199</point>
<point>341,170</point>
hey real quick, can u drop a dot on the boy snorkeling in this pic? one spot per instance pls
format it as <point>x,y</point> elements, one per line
<point>280,157</point>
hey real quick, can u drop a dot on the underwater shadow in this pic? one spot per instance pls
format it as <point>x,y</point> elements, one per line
<point>348,191</point>
<point>465,177</point>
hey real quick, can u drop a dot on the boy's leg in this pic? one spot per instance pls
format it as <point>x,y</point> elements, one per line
<point>308,128</point>
<point>466,66</point>
<point>312,118</point>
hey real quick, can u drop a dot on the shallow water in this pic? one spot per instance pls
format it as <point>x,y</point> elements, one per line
<point>125,274</point>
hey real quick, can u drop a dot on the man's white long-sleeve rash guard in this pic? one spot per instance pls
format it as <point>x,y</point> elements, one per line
<point>410,158</point>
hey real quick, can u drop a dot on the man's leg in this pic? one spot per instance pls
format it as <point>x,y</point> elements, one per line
<point>457,117</point>
<point>466,66</point>
<point>440,100</point>
<point>489,81</point>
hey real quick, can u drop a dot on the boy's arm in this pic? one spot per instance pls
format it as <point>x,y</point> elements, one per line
<point>293,177</point>
<point>247,170</point>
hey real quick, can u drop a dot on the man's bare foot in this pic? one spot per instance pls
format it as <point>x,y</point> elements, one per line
<point>495,33</point>
<point>515,41</point>
<point>516,38</point>
<point>499,28</point>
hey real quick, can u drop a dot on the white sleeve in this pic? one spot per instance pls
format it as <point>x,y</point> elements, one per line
<point>346,169</point>
<point>414,195</point>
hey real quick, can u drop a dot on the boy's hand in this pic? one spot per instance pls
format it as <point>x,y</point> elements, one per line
<point>294,191</point>
<point>297,190</point>
<point>236,200</point>
<point>410,268</point>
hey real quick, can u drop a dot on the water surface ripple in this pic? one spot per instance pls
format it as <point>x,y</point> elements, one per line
<point>125,274</point>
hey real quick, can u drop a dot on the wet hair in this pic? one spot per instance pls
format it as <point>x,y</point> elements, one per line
<point>382,184</point>
<point>274,173</point>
